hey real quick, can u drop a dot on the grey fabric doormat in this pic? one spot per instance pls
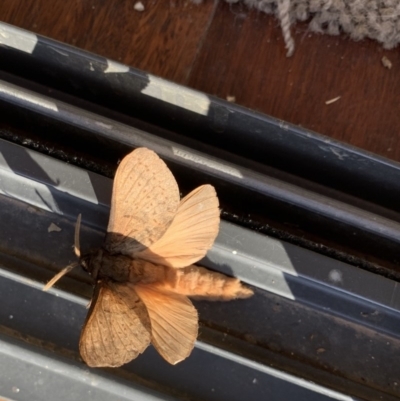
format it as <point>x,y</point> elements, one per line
<point>374,19</point>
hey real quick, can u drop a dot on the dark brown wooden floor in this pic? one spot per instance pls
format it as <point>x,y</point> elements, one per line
<point>229,50</point>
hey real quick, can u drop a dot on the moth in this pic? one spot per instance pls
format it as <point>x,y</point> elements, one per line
<point>144,271</point>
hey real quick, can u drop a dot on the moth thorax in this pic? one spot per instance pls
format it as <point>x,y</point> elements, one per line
<point>144,272</point>
<point>101,264</point>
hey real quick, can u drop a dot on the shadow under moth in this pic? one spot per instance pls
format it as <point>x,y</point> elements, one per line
<point>145,272</point>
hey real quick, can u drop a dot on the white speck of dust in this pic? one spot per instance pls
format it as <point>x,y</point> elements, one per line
<point>102,125</point>
<point>53,227</point>
<point>15,389</point>
<point>60,52</point>
<point>234,252</point>
<point>139,6</point>
<point>386,62</point>
<point>337,153</point>
<point>336,276</point>
<point>254,381</point>
<point>283,125</point>
<point>11,317</point>
<point>330,101</point>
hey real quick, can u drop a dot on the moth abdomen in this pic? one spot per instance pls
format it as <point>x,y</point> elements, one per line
<point>200,283</point>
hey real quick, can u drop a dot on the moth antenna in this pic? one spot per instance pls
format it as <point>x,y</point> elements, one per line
<point>76,242</point>
<point>57,277</point>
<point>77,250</point>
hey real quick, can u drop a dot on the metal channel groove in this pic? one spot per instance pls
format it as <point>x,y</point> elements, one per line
<point>229,172</point>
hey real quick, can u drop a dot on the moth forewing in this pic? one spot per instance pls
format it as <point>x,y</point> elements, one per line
<point>144,201</point>
<point>117,328</point>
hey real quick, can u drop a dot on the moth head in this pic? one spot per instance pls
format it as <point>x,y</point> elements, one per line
<point>91,262</point>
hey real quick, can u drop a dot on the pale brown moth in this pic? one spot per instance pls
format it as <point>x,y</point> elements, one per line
<point>144,271</point>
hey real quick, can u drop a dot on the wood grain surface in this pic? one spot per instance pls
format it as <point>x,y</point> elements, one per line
<point>229,50</point>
